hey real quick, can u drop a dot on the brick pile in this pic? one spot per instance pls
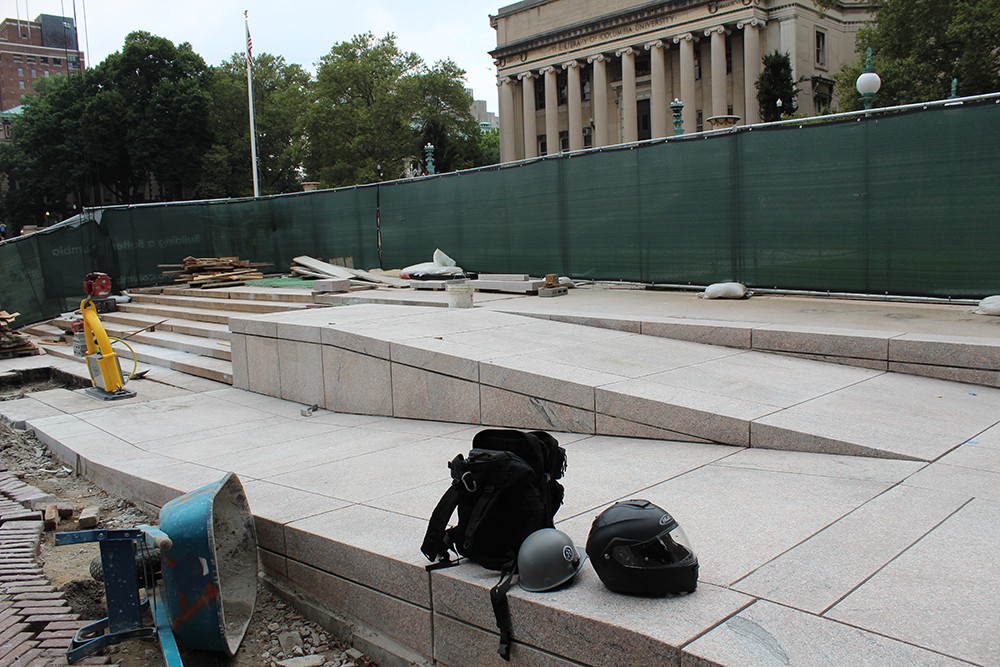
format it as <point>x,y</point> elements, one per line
<point>36,623</point>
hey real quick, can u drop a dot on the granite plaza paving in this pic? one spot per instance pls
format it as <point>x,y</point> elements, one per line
<point>836,465</point>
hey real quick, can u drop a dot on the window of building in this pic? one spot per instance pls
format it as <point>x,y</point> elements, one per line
<point>643,63</point>
<point>820,48</point>
<point>539,94</point>
<point>20,71</point>
<point>588,137</point>
<point>697,68</point>
<point>73,62</point>
<point>45,73</point>
<point>729,54</point>
<point>57,61</point>
<point>543,146</point>
<point>564,140</point>
<point>30,59</point>
<point>16,59</point>
<point>699,121</point>
<point>20,84</point>
<point>34,74</point>
<point>585,83</point>
<point>44,60</point>
<point>562,85</point>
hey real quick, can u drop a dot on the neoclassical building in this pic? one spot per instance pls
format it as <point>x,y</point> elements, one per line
<point>573,74</point>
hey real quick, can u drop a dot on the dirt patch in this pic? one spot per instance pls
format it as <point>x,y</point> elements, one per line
<point>277,632</point>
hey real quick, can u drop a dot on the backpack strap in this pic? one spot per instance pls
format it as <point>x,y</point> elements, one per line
<point>435,546</point>
<point>501,609</point>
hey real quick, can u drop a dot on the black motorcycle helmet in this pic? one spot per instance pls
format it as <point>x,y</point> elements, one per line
<point>639,549</point>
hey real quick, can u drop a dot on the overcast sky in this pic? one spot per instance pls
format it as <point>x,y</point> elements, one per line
<point>300,30</point>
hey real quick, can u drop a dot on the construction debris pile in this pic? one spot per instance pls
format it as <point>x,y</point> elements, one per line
<point>209,272</point>
<point>309,267</point>
<point>12,343</point>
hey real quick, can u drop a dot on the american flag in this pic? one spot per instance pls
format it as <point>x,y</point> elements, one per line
<point>249,47</point>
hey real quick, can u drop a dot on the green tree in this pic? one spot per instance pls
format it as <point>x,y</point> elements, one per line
<point>919,46</point>
<point>165,110</point>
<point>376,106</point>
<point>489,147</point>
<point>776,84</point>
<point>281,97</point>
<point>44,163</point>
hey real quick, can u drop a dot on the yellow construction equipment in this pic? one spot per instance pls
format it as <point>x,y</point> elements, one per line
<point>102,361</point>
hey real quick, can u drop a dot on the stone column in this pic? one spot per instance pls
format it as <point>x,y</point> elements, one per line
<point>719,96</point>
<point>630,107</point>
<point>574,105</point>
<point>787,33</point>
<point>599,98</point>
<point>658,83</point>
<point>508,150</point>
<point>530,119</point>
<point>751,67</point>
<point>551,111</point>
<point>686,42</point>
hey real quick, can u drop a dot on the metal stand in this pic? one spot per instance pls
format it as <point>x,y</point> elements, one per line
<point>121,588</point>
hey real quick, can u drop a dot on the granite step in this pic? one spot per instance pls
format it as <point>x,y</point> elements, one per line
<point>216,304</point>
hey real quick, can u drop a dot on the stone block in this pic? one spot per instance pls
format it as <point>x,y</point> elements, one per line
<point>710,332</point>
<point>512,410</point>
<point>301,372</point>
<point>241,368</point>
<point>356,383</point>
<point>607,425</point>
<point>823,341</point>
<point>89,518</point>
<point>439,356</point>
<point>263,371</point>
<point>967,375</point>
<point>403,622</point>
<point>418,394</point>
<point>954,351</point>
<point>373,548</point>
<point>327,285</point>
<point>458,643</point>
<point>585,622</point>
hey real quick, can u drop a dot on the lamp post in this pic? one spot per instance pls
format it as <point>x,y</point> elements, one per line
<point>677,107</point>
<point>868,82</point>
<point>429,152</point>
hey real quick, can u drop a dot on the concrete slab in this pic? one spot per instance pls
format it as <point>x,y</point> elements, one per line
<point>412,463</point>
<point>273,506</point>
<point>750,517</point>
<point>815,575</point>
<point>601,469</point>
<point>934,595</point>
<point>768,635</point>
<point>140,422</point>
<point>770,379</point>
<point>953,479</point>
<point>354,382</point>
<point>916,417</point>
<point>510,409</point>
<point>20,410</point>
<point>298,363</point>
<point>827,465</point>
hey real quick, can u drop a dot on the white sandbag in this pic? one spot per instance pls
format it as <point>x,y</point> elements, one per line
<point>725,291</point>
<point>989,306</point>
<point>442,259</point>
<point>430,269</point>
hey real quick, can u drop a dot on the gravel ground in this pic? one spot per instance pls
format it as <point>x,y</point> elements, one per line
<point>278,635</point>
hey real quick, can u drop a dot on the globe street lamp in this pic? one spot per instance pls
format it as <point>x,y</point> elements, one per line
<point>868,82</point>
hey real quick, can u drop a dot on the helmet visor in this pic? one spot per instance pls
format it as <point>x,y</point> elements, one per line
<point>668,549</point>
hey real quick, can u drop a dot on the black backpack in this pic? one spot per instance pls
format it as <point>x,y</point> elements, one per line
<point>504,490</point>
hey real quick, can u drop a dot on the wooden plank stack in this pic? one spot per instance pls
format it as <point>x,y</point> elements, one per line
<point>12,343</point>
<point>208,272</point>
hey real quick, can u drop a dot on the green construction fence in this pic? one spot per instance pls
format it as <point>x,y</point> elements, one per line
<point>899,202</point>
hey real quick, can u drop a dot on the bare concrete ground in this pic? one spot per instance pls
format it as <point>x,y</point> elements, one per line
<point>277,634</point>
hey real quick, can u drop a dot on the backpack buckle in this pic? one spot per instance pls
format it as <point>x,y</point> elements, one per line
<point>470,485</point>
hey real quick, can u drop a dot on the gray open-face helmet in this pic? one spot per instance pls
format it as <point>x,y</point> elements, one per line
<point>548,559</point>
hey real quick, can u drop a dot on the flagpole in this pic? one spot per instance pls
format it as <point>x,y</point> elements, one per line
<point>253,124</point>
